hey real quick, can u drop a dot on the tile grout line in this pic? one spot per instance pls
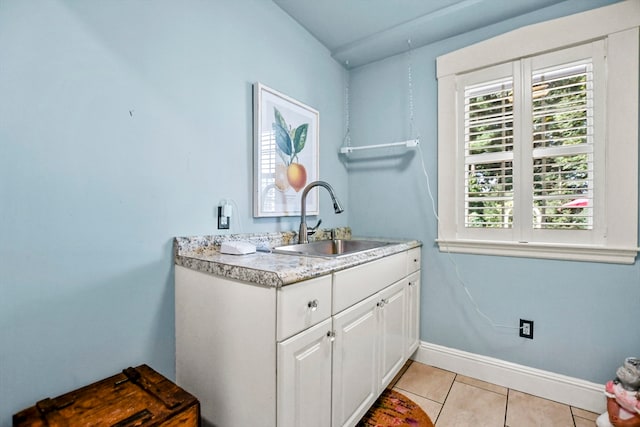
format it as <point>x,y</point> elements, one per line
<point>446,397</point>
<point>482,388</point>
<point>506,407</point>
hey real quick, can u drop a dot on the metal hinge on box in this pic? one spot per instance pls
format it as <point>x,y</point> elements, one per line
<point>134,376</point>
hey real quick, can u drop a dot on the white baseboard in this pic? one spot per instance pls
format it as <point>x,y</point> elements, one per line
<point>559,388</point>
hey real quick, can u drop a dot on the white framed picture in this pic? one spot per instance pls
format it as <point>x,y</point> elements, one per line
<point>286,148</point>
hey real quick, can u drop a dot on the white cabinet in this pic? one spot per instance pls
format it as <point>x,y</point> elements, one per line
<point>315,353</point>
<point>226,348</point>
<point>355,361</point>
<point>304,378</point>
<point>393,332</point>
<point>368,352</point>
<point>413,313</point>
<point>413,300</point>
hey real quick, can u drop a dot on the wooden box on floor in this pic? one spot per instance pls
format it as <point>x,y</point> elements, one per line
<point>138,397</point>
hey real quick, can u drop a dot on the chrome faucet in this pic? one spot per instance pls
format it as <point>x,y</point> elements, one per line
<point>303,234</point>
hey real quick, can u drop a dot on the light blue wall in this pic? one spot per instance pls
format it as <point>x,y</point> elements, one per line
<point>585,314</point>
<point>122,125</point>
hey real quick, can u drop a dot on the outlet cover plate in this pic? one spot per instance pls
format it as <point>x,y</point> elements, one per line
<point>526,328</point>
<point>223,221</point>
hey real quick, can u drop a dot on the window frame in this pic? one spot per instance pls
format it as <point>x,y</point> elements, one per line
<point>615,27</point>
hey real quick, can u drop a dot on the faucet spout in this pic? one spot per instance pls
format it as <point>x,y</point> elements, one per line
<point>337,207</point>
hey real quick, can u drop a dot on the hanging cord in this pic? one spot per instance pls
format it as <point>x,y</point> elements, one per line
<point>433,203</point>
<point>410,80</point>
<point>453,262</point>
<point>237,215</point>
<point>347,137</point>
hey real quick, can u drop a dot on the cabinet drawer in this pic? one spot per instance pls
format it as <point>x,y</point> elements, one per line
<point>413,260</point>
<point>357,283</point>
<point>302,305</point>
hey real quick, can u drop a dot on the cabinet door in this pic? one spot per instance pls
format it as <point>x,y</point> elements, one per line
<point>304,378</point>
<point>355,362</point>
<point>413,313</point>
<point>392,314</point>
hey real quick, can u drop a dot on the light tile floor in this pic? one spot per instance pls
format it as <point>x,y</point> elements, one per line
<point>453,400</point>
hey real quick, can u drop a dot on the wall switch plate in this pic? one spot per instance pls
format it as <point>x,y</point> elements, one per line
<point>223,221</point>
<point>526,328</point>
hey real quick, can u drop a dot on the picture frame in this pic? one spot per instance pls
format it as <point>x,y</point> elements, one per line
<point>286,154</point>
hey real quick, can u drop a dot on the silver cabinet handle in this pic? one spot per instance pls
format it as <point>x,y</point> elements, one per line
<point>412,283</point>
<point>331,335</point>
<point>382,302</point>
<point>313,305</point>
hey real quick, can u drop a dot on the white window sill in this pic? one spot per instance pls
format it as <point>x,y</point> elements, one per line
<point>541,250</point>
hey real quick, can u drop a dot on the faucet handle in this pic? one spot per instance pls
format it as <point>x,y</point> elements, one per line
<point>312,230</point>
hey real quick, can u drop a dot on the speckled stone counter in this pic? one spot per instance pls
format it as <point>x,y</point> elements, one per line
<point>202,253</point>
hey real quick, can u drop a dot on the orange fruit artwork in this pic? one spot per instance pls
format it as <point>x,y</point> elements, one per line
<point>297,176</point>
<point>282,179</point>
<point>290,141</point>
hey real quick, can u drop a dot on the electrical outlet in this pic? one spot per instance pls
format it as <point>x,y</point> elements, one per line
<point>223,221</point>
<point>526,328</point>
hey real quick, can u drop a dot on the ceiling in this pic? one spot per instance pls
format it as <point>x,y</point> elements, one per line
<point>358,32</point>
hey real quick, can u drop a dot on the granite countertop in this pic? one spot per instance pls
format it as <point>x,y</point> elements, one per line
<point>202,253</point>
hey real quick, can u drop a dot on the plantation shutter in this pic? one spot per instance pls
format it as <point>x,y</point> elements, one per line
<point>560,162</point>
<point>488,160</point>
<point>562,144</point>
<point>268,166</point>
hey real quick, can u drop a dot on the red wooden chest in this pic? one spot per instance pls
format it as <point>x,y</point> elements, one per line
<point>136,397</point>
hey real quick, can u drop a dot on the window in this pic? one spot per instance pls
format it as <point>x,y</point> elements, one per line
<point>533,150</point>
<point>488,154</point>
<point>562,116</point>
<point>539,174</point>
